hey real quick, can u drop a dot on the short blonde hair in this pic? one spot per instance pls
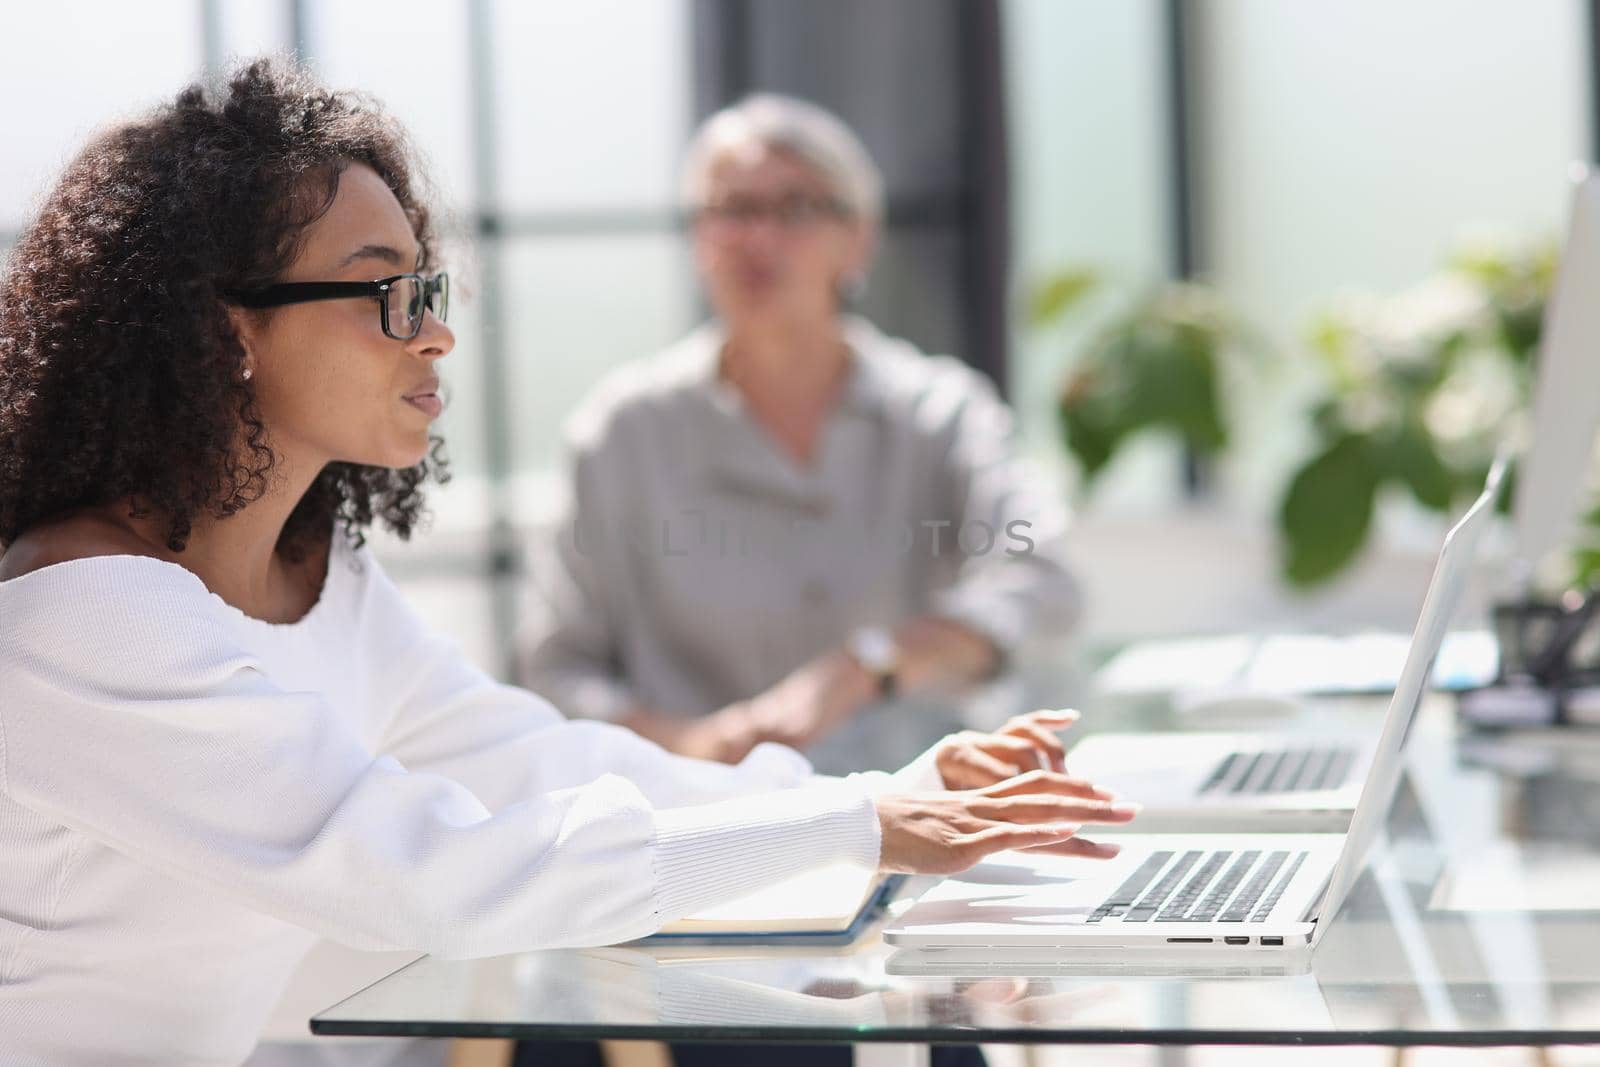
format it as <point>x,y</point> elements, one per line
<point>816,136</point>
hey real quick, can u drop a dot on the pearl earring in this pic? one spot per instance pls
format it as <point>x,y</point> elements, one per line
<point>247,373</point>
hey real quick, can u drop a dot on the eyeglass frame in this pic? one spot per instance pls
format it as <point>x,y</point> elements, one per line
<point>284,293</point>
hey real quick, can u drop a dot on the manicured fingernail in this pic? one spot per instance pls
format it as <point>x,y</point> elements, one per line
<point>1106,849</point>
<point>1127,807</point>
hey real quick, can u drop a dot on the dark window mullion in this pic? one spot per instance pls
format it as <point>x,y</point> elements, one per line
<point>1183,252</point>
<point>1592,11</point>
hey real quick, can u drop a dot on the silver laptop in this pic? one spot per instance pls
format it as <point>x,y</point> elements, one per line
<point>1237,782</point>
<point>1171,896</point>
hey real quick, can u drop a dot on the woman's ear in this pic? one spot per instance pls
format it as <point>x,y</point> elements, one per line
<point>244,326</point>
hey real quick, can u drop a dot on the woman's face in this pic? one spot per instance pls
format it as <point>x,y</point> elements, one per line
<point>770,243</point>
<point>331,386</point>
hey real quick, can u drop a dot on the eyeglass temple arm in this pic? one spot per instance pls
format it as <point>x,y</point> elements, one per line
<point>296,292</point>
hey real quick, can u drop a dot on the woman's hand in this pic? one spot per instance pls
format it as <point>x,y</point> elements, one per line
<point>942,833</point>
<point>813,701</point>
<point>971,760</point>
<point>942,655</point>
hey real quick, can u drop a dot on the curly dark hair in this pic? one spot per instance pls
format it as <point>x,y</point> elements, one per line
<point>120,371</point>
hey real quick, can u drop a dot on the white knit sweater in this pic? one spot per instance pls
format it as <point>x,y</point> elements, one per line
<point>189,796</point>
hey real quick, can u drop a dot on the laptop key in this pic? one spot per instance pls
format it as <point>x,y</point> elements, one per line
<point>1129,891</point>
<point>1244,904</point>
<point>1151,902</point>
<point>1338,768</point>
<point>1271,900</point>
<point>1122,898</point>
<point>1220,775</point>
<point>1280,771</point>
<point>1261,771</point>
<point>1288,773</point>
<point>1177,909</point>
<point>1224,889</point>
<point>1316,768</point>
<point>1244,772</point>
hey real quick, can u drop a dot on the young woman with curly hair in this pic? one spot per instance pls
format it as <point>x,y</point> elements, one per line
<point>223,732</point>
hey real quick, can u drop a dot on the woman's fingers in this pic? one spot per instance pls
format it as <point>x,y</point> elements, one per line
<point>1050,718</point>
<point>1020,752</point>
<point>971,759</point>
<point>967,766</point>
<point>1048,751</point>
<point>939,833</point>
<point>1047,782</point>
<point>1041,808</point>
<point>1053,839</point>
<point>1080,846</point>
<point>1003,837</point>
<point>1031,746</point>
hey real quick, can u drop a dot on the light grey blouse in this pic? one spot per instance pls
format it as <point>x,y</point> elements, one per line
<point>697,564</point>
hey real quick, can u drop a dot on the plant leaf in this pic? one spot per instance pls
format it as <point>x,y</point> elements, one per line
<point>1412,458</point>
<point>1327,511</point>
<point>1089,436</point>
<point>1059,292</point>
<point>1585,567</point>
<point>1195,374</point>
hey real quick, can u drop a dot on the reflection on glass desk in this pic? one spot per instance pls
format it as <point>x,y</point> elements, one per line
<point>1470,926</point>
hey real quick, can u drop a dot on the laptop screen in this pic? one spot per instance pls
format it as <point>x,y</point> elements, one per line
<point>1449,576</point>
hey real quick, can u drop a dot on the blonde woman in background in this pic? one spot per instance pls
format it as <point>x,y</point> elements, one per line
<point>788,525</point>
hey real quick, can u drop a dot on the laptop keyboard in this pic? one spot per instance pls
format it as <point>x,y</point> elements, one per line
<point>1199,886</point>
<point>1289,770</point>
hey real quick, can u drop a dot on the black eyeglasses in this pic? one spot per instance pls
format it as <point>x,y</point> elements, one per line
<point>402,299</point>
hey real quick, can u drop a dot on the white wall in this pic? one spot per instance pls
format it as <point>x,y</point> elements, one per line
<point>1341,146</point>
<point>1350,146</point>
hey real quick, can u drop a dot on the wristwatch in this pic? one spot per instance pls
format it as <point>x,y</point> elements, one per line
<point>875,649</point>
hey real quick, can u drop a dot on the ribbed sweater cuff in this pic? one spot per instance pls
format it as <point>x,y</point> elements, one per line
<point>712,853</point>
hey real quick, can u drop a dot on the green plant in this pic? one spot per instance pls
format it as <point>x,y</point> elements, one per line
<point>1157,366</point>
<point>1586,556</point>
<point>1419,389</point>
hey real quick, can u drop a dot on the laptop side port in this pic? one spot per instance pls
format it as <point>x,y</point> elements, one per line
<point>1237,940</point>
<point>1272,940</point>
<point>1188,941</point>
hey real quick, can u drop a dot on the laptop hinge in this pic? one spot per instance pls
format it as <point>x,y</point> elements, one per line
<point>1315,905</point>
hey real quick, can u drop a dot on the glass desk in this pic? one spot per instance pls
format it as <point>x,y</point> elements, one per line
<point>1469,927</point>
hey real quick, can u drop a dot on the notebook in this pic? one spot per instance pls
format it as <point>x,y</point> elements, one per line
<point>829,905</point>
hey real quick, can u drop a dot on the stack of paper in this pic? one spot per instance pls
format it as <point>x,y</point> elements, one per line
<point>1294,664</point>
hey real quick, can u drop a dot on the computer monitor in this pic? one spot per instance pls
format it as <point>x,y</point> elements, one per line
<point>1553,472</point>
<point>1551,481</point>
